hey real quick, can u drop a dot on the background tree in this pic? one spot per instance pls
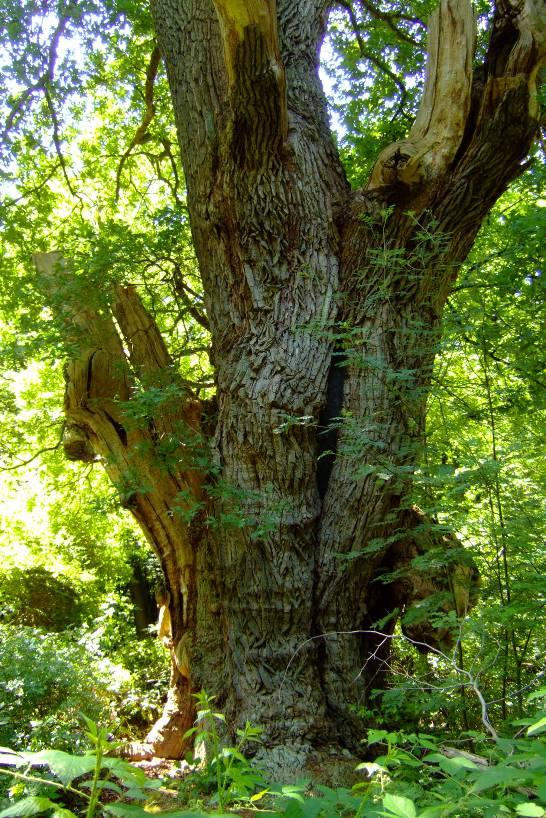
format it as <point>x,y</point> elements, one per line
<point>324,307</point>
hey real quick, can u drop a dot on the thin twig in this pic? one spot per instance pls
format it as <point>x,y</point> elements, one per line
<point>57,141</point>
<point>36,455</point>
<point>472,679</point>
<point>46,78</point>
<point>149,113</point>
<point>374,59</point>
<point>389,20</point>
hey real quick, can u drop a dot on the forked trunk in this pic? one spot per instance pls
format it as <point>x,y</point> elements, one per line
<point>325,307</point>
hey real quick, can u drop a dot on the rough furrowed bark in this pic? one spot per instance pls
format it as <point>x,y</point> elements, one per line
<point>402,245</point>
<point>288,256</point>
<point>263,224</point>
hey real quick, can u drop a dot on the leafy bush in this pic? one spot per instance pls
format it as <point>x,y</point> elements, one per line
<point>38,598</point>
<point>46,680</point>
<point>137,669</point>
<point>415,777</point>
<point>226,773</point>
<point>93,771</point>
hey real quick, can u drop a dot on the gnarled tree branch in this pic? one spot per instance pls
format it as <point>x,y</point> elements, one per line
<point>441,119</point>
<point>150,455</point>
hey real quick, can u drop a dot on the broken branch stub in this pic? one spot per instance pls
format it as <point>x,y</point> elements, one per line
<point>106,368</point>
<point>255,70</point>
<point>441,119</point>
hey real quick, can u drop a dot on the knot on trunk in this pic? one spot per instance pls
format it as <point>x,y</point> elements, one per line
<point>76,444</point>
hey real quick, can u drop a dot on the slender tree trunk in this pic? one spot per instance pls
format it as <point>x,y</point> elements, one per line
<point>325,307</point>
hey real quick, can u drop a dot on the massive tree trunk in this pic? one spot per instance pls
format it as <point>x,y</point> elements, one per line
<point>325,307</point>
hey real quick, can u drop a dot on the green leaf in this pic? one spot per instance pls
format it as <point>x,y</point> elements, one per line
<point>499,776</point>
<point>128,775</point>
<point>101,785</point>
<point>437,811</point>
<point>34,805</point>
<point>538,727</point>
<point>64,766</point>
<point>531,810</point>
<point>537,694</point>
<point>294,791</point>
<point>377,735</point>
<point>452,766</point>
<point>61,812</point>
<point>126,810</point>
<point>400,806</point>
<point>10,758</point>
<point>312,808</point>
<point>134,811</point>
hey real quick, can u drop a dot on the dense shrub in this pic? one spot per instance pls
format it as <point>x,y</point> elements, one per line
<point>46,681</point>
<point>38,598</point>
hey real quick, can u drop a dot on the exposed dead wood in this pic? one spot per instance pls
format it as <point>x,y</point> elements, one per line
<point>145,345</point>
<point>481,763</point>
<point>150,461</point>
<point>453,752</point>
<point>440,123</point>
<point>253,62</point>
<point>236,17</point>
<point>517,52</point>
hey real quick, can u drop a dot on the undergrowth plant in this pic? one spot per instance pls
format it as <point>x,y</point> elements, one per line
<point>414,776</point>
<point>77,786</point>
<point>233,777</point>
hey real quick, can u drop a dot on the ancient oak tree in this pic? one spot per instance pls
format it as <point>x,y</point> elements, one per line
<point>325,306</point>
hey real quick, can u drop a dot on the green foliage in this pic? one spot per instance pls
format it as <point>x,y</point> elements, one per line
<point>414,776</point>
<point>63,539</point>
<point>226,767</point>
<point>47,679</point>
<point>45,682</point>
<point>98,776</point>
<point>38,598</point>
<point>423,778</point>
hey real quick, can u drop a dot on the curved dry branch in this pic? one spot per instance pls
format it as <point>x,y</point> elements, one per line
<point>100,380</point>
<point>441,120</point>
<point>142,131</point>
<point>464,119</point>
<point>152,459</point>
